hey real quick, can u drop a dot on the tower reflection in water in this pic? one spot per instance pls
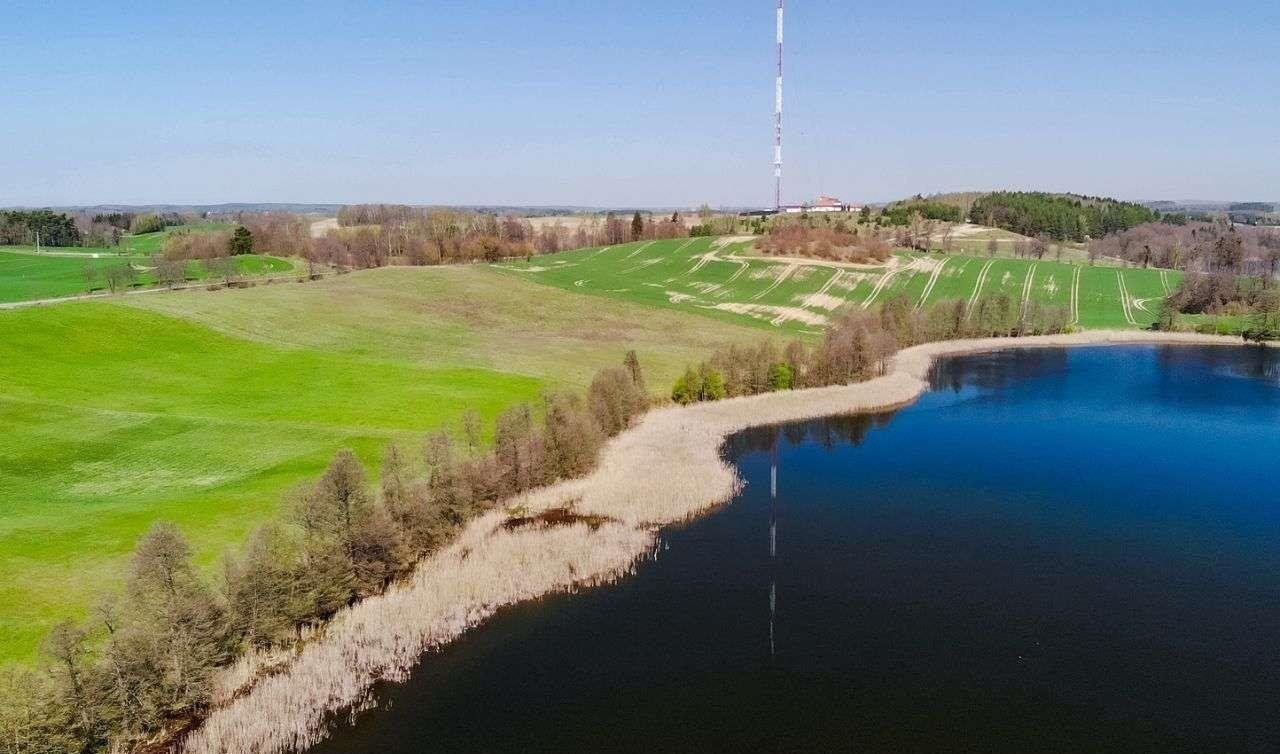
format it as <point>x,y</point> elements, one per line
<point>773,542</point>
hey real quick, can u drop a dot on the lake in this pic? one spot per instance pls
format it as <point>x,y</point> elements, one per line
<point>1053,550</point>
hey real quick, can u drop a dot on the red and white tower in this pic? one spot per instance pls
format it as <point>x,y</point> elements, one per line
<point>777,122</point>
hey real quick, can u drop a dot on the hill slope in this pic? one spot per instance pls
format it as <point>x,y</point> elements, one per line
<point>203,407</point>
<point>798,296</point>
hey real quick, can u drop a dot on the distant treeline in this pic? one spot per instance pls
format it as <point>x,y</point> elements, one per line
<point>1195,247</point>
<point>373,235</point>
<point>901,213</point>
<point>1057,216</point>
<point>1245,305</point>
<point>148,661</point>
<point>24,227</point>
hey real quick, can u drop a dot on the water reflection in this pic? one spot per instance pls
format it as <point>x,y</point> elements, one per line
<point>1256,362</point>
<point>773,544</point>
<point>829,433</point>
<point>995,371</point>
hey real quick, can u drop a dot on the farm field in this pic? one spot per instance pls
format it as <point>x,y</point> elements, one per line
<point>26,276</point>
<point>147,244</point>
<point>718,279</point>
<point>204,407</point>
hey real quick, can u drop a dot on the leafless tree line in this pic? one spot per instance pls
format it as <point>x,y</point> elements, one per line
<point>1195,247</point>
<point>827,242</point>
<point>858,344</point>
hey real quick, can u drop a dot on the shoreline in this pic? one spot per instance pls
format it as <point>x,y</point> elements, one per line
<point>666,469</point>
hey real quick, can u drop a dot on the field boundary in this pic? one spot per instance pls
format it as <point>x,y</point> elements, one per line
<point>193,286</point>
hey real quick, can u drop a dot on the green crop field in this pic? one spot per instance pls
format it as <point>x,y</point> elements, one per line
<point>203,407</point>
<point>26,275</point>
<point>727,282</point>
<point>147,244</point>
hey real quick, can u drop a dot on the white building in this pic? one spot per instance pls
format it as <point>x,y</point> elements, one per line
<point>823,203</point>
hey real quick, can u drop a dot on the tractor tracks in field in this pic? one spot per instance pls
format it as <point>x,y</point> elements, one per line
<point>929,286</point>
<point>978,285</point>
<point>885,279</point>
<point>1075,297</point>
<point>787,272</point>
<point>1026,290</point>
<point>1126,303</point>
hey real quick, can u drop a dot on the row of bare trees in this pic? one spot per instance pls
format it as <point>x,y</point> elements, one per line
<point>827,242</point>
<point>1195,247</point>
<point>147,661</point>
<point>856,346</point>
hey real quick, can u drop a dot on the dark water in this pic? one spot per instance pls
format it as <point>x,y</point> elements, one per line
<point>1053,551</point>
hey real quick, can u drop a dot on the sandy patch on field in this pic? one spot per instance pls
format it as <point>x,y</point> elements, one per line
<point>775,315</point>
<point>726,240</point>
<point>321,228</point>
<point>821,301</point>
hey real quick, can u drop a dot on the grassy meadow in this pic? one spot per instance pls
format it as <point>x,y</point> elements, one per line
<point>726,282</point>
<point>204,407</point>
<point>146,244</point>
<point>27,276</point>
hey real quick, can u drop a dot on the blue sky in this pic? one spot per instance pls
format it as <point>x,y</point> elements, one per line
<point>629,103</point>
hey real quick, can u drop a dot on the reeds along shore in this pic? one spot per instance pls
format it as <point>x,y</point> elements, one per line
<point>665,469</point>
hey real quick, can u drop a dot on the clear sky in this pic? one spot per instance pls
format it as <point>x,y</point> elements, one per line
<point>633,103</point>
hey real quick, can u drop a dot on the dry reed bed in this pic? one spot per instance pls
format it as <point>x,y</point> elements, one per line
<point>665,469</point>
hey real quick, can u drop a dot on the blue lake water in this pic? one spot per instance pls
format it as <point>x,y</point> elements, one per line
<point>1057,550</point>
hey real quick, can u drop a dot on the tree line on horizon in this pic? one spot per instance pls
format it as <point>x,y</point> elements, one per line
<point>90,229</point>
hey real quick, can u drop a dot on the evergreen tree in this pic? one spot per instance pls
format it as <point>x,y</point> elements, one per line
<point>241,241</point>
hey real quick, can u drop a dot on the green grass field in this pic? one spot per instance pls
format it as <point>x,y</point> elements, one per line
<point>725,282</point>
<point>203,407</point>
<point>146,244</point>
<point>27,276</point>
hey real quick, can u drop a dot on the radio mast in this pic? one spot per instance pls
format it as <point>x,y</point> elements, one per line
<point>777,122</point>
